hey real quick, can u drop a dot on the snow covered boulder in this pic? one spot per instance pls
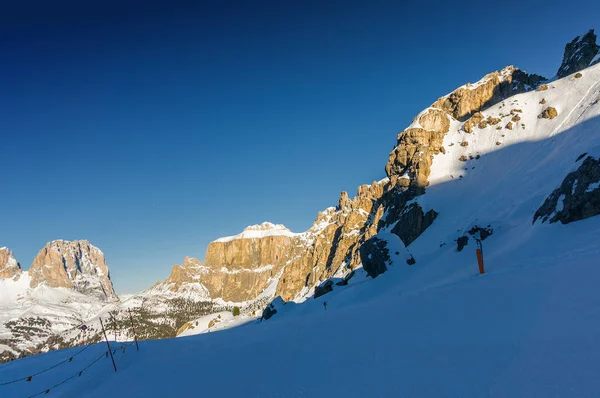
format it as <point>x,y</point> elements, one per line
<point>577,198</point>
<point>381,251</point>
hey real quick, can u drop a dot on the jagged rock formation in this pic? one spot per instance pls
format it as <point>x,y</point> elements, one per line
<point>73,265</point>
<point>493,88</point>
<point>331,245</point>
<point>9,267</point>
<point>577,198</point>
<point>579,54</point>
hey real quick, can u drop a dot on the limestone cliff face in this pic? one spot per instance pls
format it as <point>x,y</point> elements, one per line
<point>9,267</point>
<point>236,268</point>
<point>73,265</point>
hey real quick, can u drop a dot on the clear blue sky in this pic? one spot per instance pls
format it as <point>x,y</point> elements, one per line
<point>152,129</point>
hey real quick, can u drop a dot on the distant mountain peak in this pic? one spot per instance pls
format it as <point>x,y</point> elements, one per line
<point>259,231</point>
<point>9,267</point>
<point>77,265</point>
<point>266,226</point>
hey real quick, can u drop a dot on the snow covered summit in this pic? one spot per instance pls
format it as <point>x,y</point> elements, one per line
<point>260,231</point>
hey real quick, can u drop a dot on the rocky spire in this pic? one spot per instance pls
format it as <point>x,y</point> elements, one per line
<point>74,265</point>
<point>9,267</point>
<point>579,54</point>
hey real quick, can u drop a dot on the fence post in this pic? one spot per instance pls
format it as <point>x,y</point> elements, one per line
<point>133,328</point>
<point>108,345</point>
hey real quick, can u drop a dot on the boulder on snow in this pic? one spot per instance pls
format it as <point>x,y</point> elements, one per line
<point>548,113</point>
<point>462,242</point>
<point>577,198</point>
<point>473,121</point>
<point>493,120</point>
<point>375,256</point>
<point>578,75</point>
<point>381,251</point>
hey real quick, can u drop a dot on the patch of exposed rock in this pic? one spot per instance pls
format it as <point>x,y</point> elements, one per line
<point>9,267</point>
<point>548,113</point>
<point>579,54</point>
<point>375,256</point>
<point>74,265</point>
<point>577,198</point>
<point>493,88</point>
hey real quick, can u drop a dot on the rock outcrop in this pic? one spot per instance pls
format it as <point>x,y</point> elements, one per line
<point>577,198</point>
<point>409,164</point>
<point>490,90</point>
<point>74,265</point>
<point>579,54</point>
<point>9,267</point>
<point>375,256</point>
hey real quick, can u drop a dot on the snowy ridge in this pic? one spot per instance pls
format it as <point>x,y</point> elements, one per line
<point>260,231</point>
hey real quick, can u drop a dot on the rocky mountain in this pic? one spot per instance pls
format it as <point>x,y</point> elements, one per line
<point>580,53</point>
<point>9,267</point>
<point>342,238</point>
<point>239,269</point>
<point>67,283</point>
<point>73,265</point>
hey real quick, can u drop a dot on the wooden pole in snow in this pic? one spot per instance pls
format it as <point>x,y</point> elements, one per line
<point>108,345</point>
<point>133,328</point>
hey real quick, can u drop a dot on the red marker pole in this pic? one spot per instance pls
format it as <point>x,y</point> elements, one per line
<point>479,252</point>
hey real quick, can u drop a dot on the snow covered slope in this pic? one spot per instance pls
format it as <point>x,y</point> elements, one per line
<point>521,330</point>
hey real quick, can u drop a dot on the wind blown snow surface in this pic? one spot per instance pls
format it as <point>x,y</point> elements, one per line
<point>528,327</point>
